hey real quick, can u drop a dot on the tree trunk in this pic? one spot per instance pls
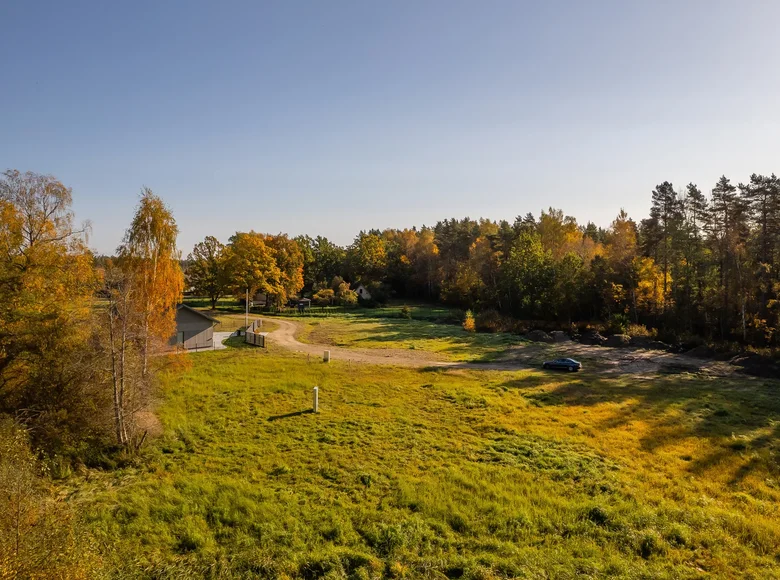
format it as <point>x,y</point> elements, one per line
<point>115,372</point>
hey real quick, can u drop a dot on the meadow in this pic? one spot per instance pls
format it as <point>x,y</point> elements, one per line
<point>433,329</point>
<point>433,473</point>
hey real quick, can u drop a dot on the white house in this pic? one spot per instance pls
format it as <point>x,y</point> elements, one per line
<point>363,292</point>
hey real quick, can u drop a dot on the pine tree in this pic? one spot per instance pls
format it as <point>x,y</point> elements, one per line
<point>728,230</point>
<point>660,232</point>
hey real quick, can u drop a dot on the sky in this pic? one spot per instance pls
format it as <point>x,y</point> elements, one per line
<point>328,118</point>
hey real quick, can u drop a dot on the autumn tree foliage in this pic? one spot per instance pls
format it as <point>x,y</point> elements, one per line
<point>47,287</point>
<point>251,264</point>
<point>702,263</point>
<point>289,260</point>
<point>150,259</point>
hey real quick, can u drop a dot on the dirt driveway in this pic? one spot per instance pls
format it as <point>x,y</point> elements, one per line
<point>601,360</point>
<point>284,336</point>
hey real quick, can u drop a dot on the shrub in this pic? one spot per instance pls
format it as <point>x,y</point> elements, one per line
<point>380,294</point>
<point>38,538</point>
<point>324,297</point>
<point>406,312</point>
<point>618,324</point>
<point>489,321</point>
<point>468,322</point>
<point>640,330</point>
<point>346,296</point>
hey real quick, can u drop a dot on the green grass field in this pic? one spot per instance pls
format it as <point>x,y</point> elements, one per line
<point>433,329</point>
<point>449,342</point>
<point>409,473</point>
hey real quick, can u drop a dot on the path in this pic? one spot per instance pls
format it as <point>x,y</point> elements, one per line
<point>219,337</point>
<point>284,336</point>
<point>601,360</point>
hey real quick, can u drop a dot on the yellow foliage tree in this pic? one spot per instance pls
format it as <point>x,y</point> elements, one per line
<point>149,257</point>
<point>47,283</point>
<point>251,265</point>
<point>649,285</point>
<point>289,260</point>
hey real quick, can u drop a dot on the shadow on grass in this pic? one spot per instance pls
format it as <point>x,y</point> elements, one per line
<point>289,415</point>
<point>734,413</point>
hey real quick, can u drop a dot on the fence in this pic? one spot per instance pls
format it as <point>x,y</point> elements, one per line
<point>254,337</point>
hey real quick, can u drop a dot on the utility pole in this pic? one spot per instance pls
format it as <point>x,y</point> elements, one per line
<point>246,317</point>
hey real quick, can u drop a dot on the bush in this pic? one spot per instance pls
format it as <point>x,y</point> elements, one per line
<point>37,536</point>
<point>489,321</point>
<point>618,324</point>
<point>468,322</point>
<point>379,292</point>
<point>406,312</point>
<point>640,330</point>
<point>346,296</point>
<point>324,297</point>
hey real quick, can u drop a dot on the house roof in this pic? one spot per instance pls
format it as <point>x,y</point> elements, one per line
<point>198,312</point>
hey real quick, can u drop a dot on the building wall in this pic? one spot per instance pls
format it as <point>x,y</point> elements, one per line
<point>192,330</point>
<point>362,292</point>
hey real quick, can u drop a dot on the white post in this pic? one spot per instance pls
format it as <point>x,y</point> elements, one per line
<point>326,356</point>
<point>246,316</point>
<point>316,406</point>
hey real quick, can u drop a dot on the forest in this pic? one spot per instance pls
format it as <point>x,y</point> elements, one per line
<point>699,266</point>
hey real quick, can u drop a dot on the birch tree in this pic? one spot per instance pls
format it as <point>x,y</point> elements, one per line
<point>148,255</point>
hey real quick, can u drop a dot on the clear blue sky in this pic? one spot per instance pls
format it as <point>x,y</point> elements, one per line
<point>331,117</point>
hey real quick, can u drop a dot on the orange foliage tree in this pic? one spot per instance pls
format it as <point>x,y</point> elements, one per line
<point>149,257</point>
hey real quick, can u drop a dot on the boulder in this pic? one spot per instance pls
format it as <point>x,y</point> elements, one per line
<point>592,337</point>
<point>539,336</point>
<point>618,340</point>
<point>641,341</point>
<point>559,336</point>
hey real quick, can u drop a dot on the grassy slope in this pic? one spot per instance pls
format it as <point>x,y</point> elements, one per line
<point>468,474</point>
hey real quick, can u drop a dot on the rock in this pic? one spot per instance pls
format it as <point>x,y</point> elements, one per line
<point>592,337</point>
<point>539,336</point>
<point>618,340</point>
<point>657,345</point>
<point>559,336</point>
<point>641,341</point>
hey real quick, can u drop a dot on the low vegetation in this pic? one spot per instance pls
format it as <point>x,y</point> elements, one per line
<point>419,473</point>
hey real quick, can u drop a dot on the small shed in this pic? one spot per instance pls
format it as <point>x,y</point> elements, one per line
<point>363,292</point>
<point>194,329</point>
<point>259,300</point>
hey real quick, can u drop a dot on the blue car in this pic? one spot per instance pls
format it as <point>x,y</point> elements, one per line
<point>563,364</point>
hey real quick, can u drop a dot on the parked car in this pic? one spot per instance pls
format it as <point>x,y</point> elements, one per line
<point>563,364</point>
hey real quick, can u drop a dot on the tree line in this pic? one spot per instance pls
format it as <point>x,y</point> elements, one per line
<point>703,265</point>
